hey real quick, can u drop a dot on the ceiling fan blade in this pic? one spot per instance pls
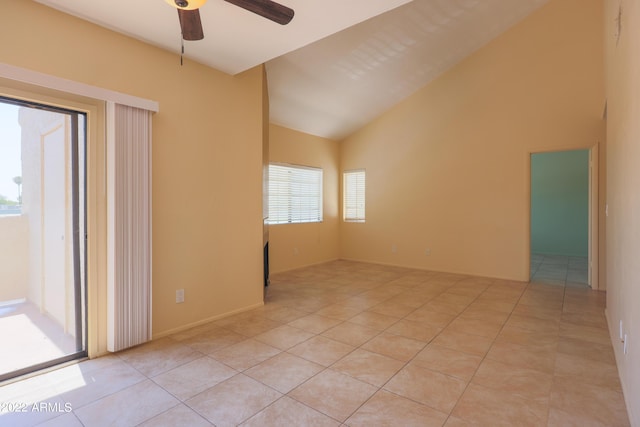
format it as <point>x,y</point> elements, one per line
<point>267,9</point>
<point>190,24</point>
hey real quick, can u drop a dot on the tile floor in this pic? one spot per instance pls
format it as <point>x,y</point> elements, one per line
<point>355,344</point>
<point>560,270</point>
<point>30,337</point>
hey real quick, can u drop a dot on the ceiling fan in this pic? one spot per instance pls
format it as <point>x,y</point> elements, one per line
<point>189,15</point>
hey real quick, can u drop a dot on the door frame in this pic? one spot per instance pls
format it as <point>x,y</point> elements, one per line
<point>75,183</point>
<point>593,211</point>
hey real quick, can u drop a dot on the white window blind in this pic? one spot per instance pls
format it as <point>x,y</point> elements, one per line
<point>295,194</point>
<point>353,193</point>
<point>129,255</point>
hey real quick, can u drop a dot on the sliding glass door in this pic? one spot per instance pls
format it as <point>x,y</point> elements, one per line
<point>42,236</point>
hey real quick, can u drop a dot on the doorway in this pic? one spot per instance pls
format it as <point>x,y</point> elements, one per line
<point>42,221</point>
<point>561,217</point>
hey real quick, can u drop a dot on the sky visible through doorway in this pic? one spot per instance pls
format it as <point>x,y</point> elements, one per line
<point>10,156</point>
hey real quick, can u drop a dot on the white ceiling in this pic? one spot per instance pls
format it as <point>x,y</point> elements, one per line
<point>338,64</point>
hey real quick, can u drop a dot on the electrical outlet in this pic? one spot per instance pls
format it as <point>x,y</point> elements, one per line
<point>296,251</point>
<point>394,249</point>
<point>427,252</point>
<point>179,296</point>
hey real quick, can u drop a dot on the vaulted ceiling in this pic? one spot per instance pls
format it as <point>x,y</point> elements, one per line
<point>338,64</point>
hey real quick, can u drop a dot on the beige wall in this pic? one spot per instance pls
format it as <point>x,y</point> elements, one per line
<point>14,257</point>
<point>623,197</point>
<point>297,245</point>
<point>448,168</point>
<point>207,159</point>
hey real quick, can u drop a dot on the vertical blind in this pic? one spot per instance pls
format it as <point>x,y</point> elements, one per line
<point>353,193</point>
<point>295,194</point>
<point>129,226</point>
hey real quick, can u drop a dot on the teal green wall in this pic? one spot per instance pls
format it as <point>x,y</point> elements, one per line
<point>560,203</point>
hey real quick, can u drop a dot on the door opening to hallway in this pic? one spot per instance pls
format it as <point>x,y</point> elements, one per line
<point>560,217</point>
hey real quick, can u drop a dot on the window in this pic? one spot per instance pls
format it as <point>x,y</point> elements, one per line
<point>295,194</point>
<point>353,193</point>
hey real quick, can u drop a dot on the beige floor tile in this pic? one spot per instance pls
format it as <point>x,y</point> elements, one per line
<point>245,354</point>
<point>585,333</point>
<point>588,318</point>
<point>544,313</point>
<point>372,368</point>
<point>334,394</point>
<point>159,356</point>
<point>428,291</point>
<point>315,324</point>
<point>447,361</point>
<point>472,286</point>
<point>213,340</point>
<point>496,304</point>
<point>284,372</point>
<point>285,314</point>
<point>37,388</point>
<point>26,412</point>
<point>134,405</point>
<point>338,311</point>
<point>506,288</point>
<point>542,300</point>
<point>414,330</point>
<point>253,327</point>
<point>454,298</point>
<point>518,381</point>
<point>288,412</point>
<point>382,293</point>
<point>388,409</point>
<point>586,350</point>
<point>513,335</point>
<point>578,369</point>
<point>351,333</point>
<point>559,418</point>
<point>487,407</point>
<point>445,308</point>
<point>374,320</point>
<point>473,327</point>
<point>66,420</point>
<point>409,299</point>
<point>79,387</point>
<point>529,356</point>
<point>206,328</point>
<point>180,415</point>
<point>551,361</point>
<point>428,316</point>
<point>439,391</point>
<point>533,324</point>
<point>284,337</point>
<point>311,305</point>
<point>392,309</point>
<point>321,350</point>
<point>233,401</point>
<point>484,315</point>
<point>360,303</point>
<point>194,377</point>
<point>589,401</point>
<point>466,343</point>
<point>240,318</point>
<point>395,346</point>
<point>458,422</point>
